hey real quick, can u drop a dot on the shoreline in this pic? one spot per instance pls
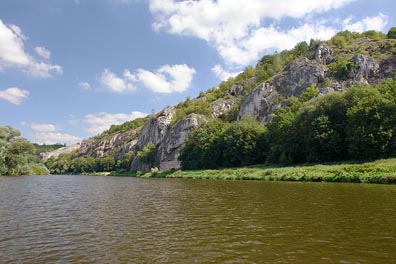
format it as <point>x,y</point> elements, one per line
<point>380,171</point>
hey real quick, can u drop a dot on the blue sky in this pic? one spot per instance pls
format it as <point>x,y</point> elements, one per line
<point>71,68</point>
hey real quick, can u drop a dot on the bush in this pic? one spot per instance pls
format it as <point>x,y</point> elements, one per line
<point>392,33</point>
<point>147,155</point>
<point>341,68</point>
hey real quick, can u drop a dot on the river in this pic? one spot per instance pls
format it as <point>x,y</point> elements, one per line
<point>87,219</point>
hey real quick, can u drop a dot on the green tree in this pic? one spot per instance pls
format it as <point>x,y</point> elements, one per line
<point>392,33</point>
<point>370,129</point>
<point>203,148</point>
<point>244,143</point>
<point>147,155</point>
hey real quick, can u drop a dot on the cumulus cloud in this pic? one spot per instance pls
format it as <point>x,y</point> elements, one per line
<point>14,95</point>
<point>85,85</point>
<point>43,127</point>
<point>43,52</point>
<point>377,23</point>
<point>13,54</point>
<point>223,74</point>
<point>54,138</point>
<point>116,84</point>
<point>235,27</point>
<point>167,79</point>
<point>99,122</point>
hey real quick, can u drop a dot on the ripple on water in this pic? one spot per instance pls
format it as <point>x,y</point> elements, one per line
<point>78,219</point>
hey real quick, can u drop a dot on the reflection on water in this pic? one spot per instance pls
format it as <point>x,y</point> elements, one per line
<point>82,219</point>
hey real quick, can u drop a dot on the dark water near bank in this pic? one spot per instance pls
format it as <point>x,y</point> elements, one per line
<point>82,219</point>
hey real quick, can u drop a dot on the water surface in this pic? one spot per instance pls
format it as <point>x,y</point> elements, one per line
<point>85,219</point>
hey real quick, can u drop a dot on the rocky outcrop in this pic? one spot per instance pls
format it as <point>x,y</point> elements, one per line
<point>293,81</point>
<point>60,151</point>
<point>173,142</point>
<point>221,107</point>
<point>235,90</point>
<point>153,131</point>
<point>324,54</point>
<point>365,69</point>
<point>168,140</point>
<point>99,148</point>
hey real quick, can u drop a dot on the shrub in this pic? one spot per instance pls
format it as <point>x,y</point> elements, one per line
<point>392,33</point>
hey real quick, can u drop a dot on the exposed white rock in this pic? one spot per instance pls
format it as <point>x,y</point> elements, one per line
<point>65,150</point>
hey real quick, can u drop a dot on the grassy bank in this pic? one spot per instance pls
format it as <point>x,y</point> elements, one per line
<point>380,171</point>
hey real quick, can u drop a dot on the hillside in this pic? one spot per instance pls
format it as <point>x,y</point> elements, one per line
<point>347,60</point>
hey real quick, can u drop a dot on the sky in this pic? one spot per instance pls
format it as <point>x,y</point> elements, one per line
<point>69,69</point>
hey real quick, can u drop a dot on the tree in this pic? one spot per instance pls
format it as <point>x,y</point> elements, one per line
<point>392,33</point>
<point>370,128</point>
<point>147,155</point>
<point>202,148</point>
<point>244,143</point>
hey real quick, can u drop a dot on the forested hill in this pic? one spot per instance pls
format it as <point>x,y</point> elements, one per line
<point>313,103</point>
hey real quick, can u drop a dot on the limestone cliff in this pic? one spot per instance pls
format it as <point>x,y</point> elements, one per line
<point>169,140</point>
<point>102,147</point>
<point>60,151</point>
<point>269,96</point>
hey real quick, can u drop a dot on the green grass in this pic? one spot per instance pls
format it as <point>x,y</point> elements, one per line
<point>380,171</point>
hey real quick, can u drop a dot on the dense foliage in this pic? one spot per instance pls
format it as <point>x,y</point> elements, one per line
<point>147,155</point>
<point>359,124</point>
<point>17,154</point>
<point>220,144</point>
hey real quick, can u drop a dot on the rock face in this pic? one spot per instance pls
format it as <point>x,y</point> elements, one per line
<point>102,148</point>
<point>168,140</point>
<point>365,69</point>
<point>57,152</point>
<point>324,54</point>
<point>173,142</point>
<point>293,81</point>
<point>221,106</point>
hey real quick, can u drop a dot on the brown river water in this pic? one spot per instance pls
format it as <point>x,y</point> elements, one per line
<point>87,219</point>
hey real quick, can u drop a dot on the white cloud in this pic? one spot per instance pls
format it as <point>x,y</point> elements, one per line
<point>53,138</point>
<point>14,95</point>
<point>43,127</point>
<point>12,54</point>
<point>233,27</point>
<point>99,122</point>
<point>223,74</point>
<point>43,52</point>
<point>85,85</point>
<point>116,84</point>
<point>42,70</point>
<point>18,31</point>
<point>168,78</point>
<point>377,23</point>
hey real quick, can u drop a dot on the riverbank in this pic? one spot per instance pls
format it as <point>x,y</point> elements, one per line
<point>380,171</point>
